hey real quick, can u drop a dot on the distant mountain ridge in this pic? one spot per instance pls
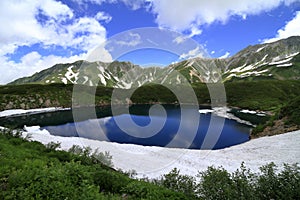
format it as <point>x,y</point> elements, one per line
<point>278,60</point>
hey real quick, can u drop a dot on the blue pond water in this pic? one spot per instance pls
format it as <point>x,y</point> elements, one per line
<point>207,132</point>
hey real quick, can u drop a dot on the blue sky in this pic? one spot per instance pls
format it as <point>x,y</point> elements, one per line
<point>38,34</point>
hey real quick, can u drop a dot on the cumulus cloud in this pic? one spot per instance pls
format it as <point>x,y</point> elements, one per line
<point>132,39</point>
<point>185,14</point>
<point>226,55</point>
<point>133,4</point>
<point>102,16</point>
<point>29,64</point>
<point>292,28</point>
<point>50,24</point>
<point>192,54</point>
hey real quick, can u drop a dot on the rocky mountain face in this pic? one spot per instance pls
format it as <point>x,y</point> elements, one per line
<point>279,60</point>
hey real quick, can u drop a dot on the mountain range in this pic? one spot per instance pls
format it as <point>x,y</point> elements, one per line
<point>279,60</point>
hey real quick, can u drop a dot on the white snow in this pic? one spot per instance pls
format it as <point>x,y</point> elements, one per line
<point>116,78</point>
<point>238,69</point>
<point>204,111</point>
<point>249,67</point>
<point>153,162</point>
<point>86,78</point>
<point>259,49</point>
<point>256,73</point>
<point>102,79</point>
<point>70,74</point>
<point>101,69</point>
<point>292,55</point>
<point>224,112</point>
<point>285,65</point>
<point>281,61</point>
<point>12,112</point>
<point>64,80</point>
<point>178,79</point>
<point>253,112</point>
<point>245,68</point>
<point>126,85</point>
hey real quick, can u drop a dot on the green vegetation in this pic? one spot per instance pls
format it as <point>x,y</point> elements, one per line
<point>30,170</point>
<point>292,111</point>
<point>217,183</point>
<point>289,116</point>
<point>261,95</point>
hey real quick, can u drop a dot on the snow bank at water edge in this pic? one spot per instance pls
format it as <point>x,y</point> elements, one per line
<point>12,112</point>
<point>224,112</point>
<point>153,162</point>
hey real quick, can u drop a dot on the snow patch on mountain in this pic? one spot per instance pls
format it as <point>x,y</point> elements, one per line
<point>72,76</point>
<point>259,49</point>
<point>281,61</point>
<point>63,79</point>
<point>102,79</point>
<point>285,65</point>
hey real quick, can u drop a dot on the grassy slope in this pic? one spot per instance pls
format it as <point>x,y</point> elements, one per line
<point>262,95</point>
<point>29,170</point>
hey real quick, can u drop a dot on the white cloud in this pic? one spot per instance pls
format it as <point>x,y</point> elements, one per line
<point>292,28</point>
<point>102,16</point>
<point>180,15</point>
<point>191,54</point>
<point>56,9</point>
<point>132,39</point>
<point>29,64</point>
<point>133,4</point>
<point>193,31</point>
<point>226,55</point>
<point>22,28</point>
<point>180,39</point>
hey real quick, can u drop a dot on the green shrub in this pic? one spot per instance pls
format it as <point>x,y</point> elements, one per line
<point>215,183</point>
<point>180,183</point>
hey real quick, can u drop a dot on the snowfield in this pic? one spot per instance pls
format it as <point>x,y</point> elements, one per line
<point>13,112</point>
<point>153,162</point>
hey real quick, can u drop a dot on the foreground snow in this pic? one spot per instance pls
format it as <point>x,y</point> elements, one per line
<point>12,112</point>
<point>153,162</point>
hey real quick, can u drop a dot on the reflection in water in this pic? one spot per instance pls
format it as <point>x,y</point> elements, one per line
<point>232,133</point>
<point>105,127</point>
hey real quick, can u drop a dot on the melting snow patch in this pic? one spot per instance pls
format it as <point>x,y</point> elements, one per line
<point>259,49</point>
<point>205,111</point>
<point>102,79</point>
<point>285,65</point>
<point>12,112</point>
<point>70,75</point>
<point>292,55</point>
<point>280,61</point>
<point>253,112</point>
<point>64,80</point>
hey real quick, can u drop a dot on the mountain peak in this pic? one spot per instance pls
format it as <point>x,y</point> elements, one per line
<point>276,60</point>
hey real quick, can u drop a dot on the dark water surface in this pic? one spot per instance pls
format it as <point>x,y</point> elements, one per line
<point>176,132</point>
